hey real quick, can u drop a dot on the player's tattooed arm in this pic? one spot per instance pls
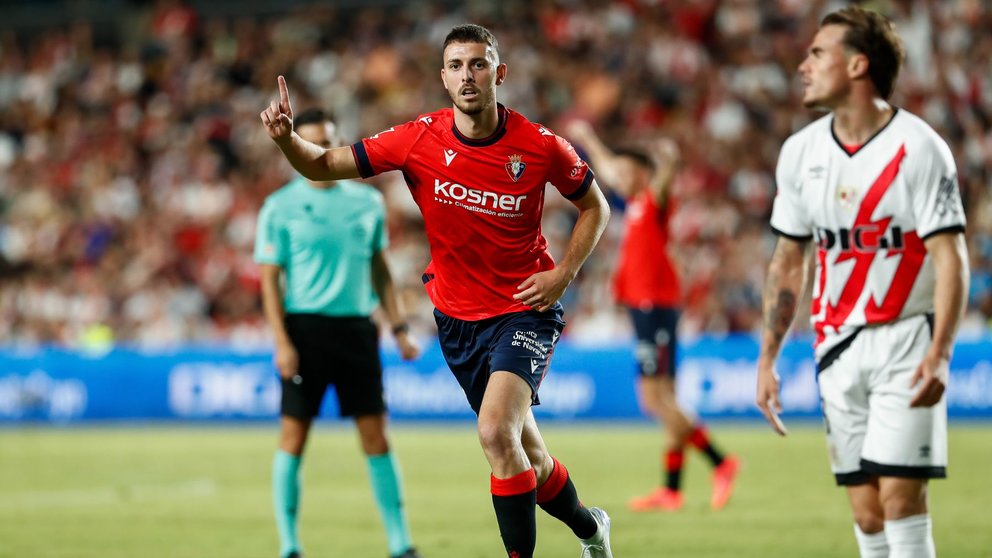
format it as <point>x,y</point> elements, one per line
<point>783,286</point>
<point>780,309</point>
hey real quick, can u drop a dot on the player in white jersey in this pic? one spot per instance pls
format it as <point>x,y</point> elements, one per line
<point>874,190</point>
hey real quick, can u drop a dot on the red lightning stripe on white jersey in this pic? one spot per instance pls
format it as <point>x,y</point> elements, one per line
<point>836,315</point>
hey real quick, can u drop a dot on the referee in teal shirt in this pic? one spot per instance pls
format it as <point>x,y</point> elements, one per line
<point>320,247</point>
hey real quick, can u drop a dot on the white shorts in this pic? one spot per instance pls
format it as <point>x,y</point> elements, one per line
<point>871,429</point>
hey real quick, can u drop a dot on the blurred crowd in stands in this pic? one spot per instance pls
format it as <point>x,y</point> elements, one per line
<point>133,161</point>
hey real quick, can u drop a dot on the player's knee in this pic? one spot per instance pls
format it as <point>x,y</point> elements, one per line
<point>674,441</point>
<point>497,438</point>
<point>543,466</point>
<point>292,444</point>
<point>903,498</point>
<point>650,407</point>
<point>293,436</point>
<point>869,522</point>
<point>900,506</point>
<point>374,443</point>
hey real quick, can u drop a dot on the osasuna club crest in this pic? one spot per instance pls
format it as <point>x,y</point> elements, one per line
<point>515,167</point>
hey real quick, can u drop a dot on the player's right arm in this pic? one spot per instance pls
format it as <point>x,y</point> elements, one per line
<point>785,279</point>
<point>309,159</point>
<point>783,286</point>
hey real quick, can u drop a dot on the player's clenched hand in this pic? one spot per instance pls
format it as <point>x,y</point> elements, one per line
<point>287,360</point>
<point>278,117</point>
<point>767,398</point>
<point>929,376</point>
<point>408,346</point>
<point>664,152</point>
<point>542,290</point>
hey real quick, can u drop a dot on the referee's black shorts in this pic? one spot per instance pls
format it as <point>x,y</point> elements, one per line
<point>338,351</point>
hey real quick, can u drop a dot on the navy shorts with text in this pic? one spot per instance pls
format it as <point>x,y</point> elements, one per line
<point>656,328</point>
<point>519,342</point>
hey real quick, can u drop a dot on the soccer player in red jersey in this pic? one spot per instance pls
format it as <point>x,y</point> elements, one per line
<point>647,283</point>
<point>478,172</point>
<point>875,189</point>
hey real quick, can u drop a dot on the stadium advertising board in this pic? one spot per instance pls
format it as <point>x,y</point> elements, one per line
<point>716,379</point>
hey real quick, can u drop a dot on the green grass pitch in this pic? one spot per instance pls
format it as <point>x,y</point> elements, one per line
<point>203,492</point>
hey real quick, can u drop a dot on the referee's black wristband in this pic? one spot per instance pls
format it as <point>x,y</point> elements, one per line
<point>401,328</point>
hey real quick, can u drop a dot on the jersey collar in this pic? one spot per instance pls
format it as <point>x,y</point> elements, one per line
<point>833,134</point>
<point>489,140</point>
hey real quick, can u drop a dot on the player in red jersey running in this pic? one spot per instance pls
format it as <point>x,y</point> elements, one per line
<point>876,189</point>
<point>478,172</point>
<point>647,283</point>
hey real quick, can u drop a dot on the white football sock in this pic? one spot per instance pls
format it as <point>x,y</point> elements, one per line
<point>911,537</point>
<point>874,545</point>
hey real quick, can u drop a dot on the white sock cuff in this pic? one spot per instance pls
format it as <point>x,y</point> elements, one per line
<point>874,545</point>
<point>911,537</point>
<point>907,524</point>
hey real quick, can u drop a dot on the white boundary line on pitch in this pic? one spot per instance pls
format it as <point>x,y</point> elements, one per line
<point>108,495</point>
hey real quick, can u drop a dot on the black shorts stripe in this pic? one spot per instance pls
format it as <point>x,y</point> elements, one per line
<point>945,230</point>
<point>852,479</point>
<point>798,238</point>
<point>834,353</point>
<point>905,471</point>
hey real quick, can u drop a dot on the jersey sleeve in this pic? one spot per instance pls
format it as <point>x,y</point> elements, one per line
<point>788,211</point>
<point>936,197</point>
<point>387,150</point>
<point>568,173</point>
<point>270,237</point>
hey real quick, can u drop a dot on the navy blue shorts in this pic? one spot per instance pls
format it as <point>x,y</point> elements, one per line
<point>519,342</point>
<point>656,340</point>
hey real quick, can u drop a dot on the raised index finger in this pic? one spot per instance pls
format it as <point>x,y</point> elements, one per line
<point>283,91</point>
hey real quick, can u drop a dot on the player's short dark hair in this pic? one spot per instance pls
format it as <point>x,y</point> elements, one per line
<point>470,33</point>
<point>312,116</point>
<point>873,35</point>
<point>638,155</point>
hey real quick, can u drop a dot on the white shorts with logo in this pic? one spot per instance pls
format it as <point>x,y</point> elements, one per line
<point>871,429</point>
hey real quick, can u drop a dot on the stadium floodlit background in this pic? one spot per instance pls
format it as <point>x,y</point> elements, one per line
<point>132,166</point>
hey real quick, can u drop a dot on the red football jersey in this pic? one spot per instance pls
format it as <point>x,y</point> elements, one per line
<point>482,202</point>
<point>645,274</point>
